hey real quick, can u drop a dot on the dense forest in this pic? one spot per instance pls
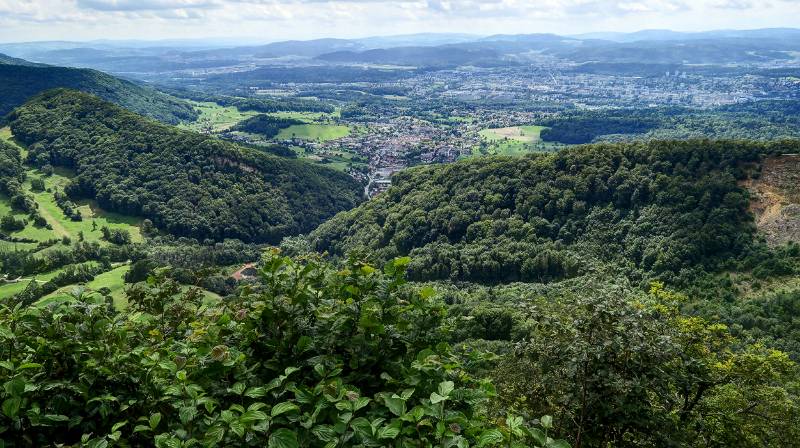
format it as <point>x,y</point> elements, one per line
<point>18,83</point>
<point>258,104</point>
<point>667,210</point>
<point>562,338</point>
<point>759,120</point>
<point>187,184</point>
<point>11,170</point>
<point>265,125</point>
<point>566,266</point>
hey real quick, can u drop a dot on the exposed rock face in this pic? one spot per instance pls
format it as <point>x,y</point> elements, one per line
<point>775,199</point>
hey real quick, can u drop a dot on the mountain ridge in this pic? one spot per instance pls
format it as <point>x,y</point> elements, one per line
<point>21,81</point>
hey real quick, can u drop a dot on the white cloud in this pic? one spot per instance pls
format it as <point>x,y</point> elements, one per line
<point>145,5</point>
<point>278,19</point>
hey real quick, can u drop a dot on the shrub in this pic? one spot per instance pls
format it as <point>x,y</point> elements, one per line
<point>11,224</point>
<point>310,357</point>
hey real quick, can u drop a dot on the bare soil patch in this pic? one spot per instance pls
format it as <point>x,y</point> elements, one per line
<point>775,199</point>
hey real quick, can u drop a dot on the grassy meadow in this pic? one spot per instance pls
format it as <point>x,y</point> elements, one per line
<point>512,141</point>
<point>314,131</point>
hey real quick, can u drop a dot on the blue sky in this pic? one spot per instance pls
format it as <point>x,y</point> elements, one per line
<point>269,20</point>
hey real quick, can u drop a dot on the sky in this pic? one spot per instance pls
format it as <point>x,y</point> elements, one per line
<point>271,20</point>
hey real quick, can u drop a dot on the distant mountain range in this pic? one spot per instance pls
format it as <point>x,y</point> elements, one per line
<point>137,59</point>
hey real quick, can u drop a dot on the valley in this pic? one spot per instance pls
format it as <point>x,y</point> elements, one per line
<point>451,240</point>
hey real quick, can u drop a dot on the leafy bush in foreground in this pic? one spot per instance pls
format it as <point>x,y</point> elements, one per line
<point>311,357</point>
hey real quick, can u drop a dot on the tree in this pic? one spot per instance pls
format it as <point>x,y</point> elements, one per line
<point>618,368</point>
<point>9,223</point>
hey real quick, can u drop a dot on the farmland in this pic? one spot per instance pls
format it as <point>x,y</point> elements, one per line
<point>512,140</point>
<point>215,118</point>
<point>314,131</point>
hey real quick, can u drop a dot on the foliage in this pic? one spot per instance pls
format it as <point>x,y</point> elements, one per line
<point>116,236</point>
<point>265,125</point>
<point>9,223</point>
<point>761,120</point>
<point>37,185</point>
<point>18,83</point>
<point>257,104</point>
<point>309,357</point>
<point>68,207</point>
<point>618,368</point>
<point>187,184</point>
<point>69,275</point>
<point>669,210</point>
<point>22,263</point>
<point>12,174</point>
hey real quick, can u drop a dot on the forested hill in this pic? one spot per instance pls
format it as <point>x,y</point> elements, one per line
<point>659,209</point>
<point>19,81</point>
<point>8,60</point>
<point>188,184</point>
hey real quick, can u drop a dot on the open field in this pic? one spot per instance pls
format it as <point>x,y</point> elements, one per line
<point>338,160</point>
<point>9,246</point>
<point>514,140</point>
<point>525,134</point>
<point>10,289</point>
<point>94,218</point>
<point>114,280</point>
<point>314,131</point>
<point>216,118</point>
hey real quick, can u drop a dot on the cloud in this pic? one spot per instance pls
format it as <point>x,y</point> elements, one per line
<point>280,19</point>
<point>145,5</point>
<point>737,4</point>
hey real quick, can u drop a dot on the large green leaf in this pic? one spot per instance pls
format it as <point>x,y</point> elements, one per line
<point>6,333</point>
<point>325,433</point>
<point>187,414</point>
<point>283,438</point>
<point>253,416</point>
<point>445,387</point>
<point>214,435</point>
<point>237,427</point>
<point>255,392</point>
<point>396,405</point>
<point>388,432</point>
<point>436,398</point>
<point>11,407</point>
<point>282,408</point>
<point>490,437</point>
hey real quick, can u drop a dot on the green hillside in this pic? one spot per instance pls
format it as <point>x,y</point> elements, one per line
<point>665,210</point>
<point>624,287</point>
<point>20,81</point>
<point>186,183</point>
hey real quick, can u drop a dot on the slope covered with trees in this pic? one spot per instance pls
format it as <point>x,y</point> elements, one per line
<point>187,184</point>
<point>757,120</point>
<point>664,209</point>
<point>19,82</point>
